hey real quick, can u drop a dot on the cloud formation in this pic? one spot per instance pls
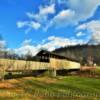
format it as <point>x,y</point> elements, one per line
<point>63,18</point>
<point>79,34</point>
<point>76,11</point>
<point>39,19</point>
<point>83,8</point>
<point>42,15</point>
<point>94,28</point>
<point>32,24</point>
<point>27,42</point>
<point>50,44</point>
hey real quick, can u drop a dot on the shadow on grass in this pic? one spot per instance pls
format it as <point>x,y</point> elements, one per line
<point>34,73</point>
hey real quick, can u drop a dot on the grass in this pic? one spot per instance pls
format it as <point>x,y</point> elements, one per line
<point>46,88</point>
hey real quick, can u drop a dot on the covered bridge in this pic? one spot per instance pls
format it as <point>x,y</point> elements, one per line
<point>44,60</point>
<point>57,61</point>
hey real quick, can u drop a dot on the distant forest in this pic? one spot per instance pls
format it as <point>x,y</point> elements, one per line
<point>81,53</point>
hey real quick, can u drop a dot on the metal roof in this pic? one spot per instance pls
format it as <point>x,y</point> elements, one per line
<point>54,55</point>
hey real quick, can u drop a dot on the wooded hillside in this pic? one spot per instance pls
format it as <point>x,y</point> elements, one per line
<point>81,52</point>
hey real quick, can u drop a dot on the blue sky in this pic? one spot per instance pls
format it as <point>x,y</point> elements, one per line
<point>35,24</point>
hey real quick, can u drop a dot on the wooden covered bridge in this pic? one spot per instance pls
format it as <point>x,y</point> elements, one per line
<point>44,61</point>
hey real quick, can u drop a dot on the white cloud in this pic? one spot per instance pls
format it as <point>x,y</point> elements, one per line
<point>26,42</point>
<point>81,27</point>
<point>80,34</point>
<point>41,18</point>
<point>65,17</point>
<point>21,24</point>
<point>56,42</point>
<point>43,12</point>
<point>34,25</point>
<point>83,8</point>
<point>47,9</point>
<point>42,15</point>
<point>25,49</point>
<point>31,24</point>
<point>2,44</point>
<point>50,44</point>
<point>78,10</point>
<point>94,28</point>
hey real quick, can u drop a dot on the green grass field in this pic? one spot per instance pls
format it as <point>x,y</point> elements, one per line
<point>46,88</point>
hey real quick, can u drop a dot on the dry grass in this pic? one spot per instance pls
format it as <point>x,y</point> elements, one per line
<point>46,88</point>
<point>47,80</point>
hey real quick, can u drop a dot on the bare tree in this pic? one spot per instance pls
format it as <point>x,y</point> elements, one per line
<point>28,61</point>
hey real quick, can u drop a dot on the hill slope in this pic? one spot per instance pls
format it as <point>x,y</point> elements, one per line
<point>81,52</point>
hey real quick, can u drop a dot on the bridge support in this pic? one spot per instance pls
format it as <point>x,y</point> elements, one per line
<point>53,72</point>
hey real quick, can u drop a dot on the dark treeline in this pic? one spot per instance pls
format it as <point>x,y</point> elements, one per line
<point>81,53</point>
<point>11,55</point>
<point>7,55</point>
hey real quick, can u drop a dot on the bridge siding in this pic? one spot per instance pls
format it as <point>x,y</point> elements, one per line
<point>34,65</point>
